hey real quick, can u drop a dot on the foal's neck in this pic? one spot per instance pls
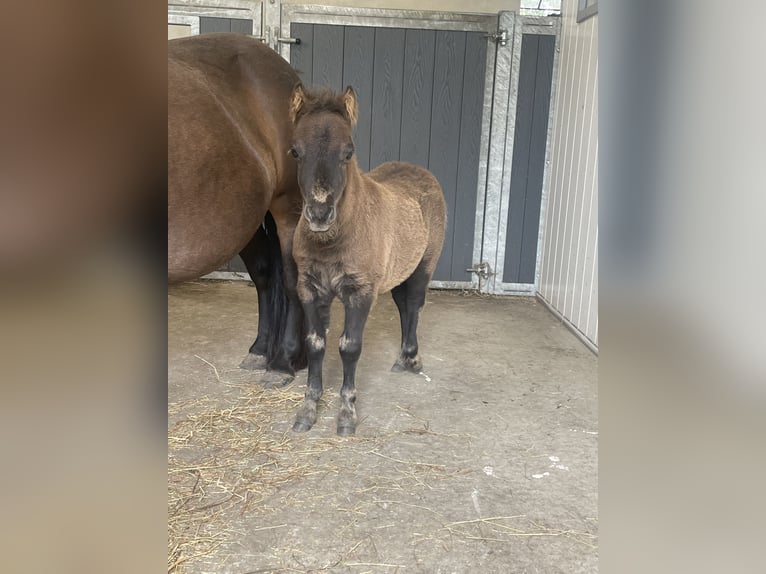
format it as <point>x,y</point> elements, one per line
<point>349,206</point>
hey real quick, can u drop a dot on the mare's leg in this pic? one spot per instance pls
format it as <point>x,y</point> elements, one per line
<point>357,310</point>
<point>317,312</point>
<point>414,297</point>
<point>259,266</point>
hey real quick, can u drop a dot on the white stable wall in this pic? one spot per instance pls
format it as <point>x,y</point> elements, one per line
<point>569,269</point>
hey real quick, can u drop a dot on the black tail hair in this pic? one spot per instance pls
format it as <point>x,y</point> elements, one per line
<point>279,303</point>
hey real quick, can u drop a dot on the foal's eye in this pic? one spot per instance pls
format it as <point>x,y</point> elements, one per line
<point>294,152</point>
<point>349,155</point>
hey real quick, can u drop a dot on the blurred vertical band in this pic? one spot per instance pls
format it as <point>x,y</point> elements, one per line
<point>683,276</point>
<point>82,286</point>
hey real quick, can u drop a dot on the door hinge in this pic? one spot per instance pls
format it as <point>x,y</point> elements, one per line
<point>499,37</point>
<point>481,269</point>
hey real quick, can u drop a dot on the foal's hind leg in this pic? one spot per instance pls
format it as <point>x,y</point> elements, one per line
<point>410,297</point>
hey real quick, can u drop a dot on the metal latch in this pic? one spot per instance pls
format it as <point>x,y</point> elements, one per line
<point>500,37</point>
<point>280,40</point>
<point>481,269</point>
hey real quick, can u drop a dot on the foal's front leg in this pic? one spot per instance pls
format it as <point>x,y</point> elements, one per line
<point>317,312</point>
<point>357,310</point>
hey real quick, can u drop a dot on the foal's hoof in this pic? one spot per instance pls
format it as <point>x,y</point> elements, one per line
<point>413,365</point>
<point>253,362</point>
<point>306,416</point>
<point>302,425</point>
<point>346,430</point>
<point>346,422</point>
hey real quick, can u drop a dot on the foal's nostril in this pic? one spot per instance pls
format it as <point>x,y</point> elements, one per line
<point>320,213</point>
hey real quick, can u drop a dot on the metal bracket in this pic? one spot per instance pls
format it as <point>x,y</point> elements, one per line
<point>482,270</point>
<point>295,41</point>
<point>499,37</point>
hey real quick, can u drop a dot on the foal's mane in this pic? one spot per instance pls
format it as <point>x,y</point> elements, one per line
<point>305,102</point>
<point>322,100</point>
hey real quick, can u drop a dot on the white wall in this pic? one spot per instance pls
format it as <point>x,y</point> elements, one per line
<point>569,271</point>
<point>178,31</point>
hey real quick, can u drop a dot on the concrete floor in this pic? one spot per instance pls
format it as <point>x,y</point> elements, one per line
<point>486,462</point>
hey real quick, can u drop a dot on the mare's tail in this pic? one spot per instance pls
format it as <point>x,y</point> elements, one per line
<point>277,297</point>
<point>278,351</point>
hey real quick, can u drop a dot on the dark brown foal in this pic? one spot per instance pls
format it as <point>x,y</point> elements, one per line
<point>359,235</point>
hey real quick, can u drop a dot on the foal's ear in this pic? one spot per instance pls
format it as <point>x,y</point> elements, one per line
<point>297,101</point>
<point>349,100</point>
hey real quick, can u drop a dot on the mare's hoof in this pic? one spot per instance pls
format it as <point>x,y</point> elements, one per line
<point>301,426</point>
<point>414,365</point>
<point>346,430</point>
<point>274,379</point>
<point>253,362</point>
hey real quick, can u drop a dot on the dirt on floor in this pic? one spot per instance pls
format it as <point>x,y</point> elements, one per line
<point>485,462</point>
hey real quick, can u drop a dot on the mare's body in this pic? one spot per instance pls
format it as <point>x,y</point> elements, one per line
<point>229,132</point>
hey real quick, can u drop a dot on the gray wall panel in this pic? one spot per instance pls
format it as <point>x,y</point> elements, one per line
<point>445,131</point>
<point>419,54</point>
<point>358,51</point>
<point>388,72</point>
<point>528,158</point>
<point>464,218</point>
<point>328,56</point>
<point>520,164</point>
<point>540,115</point>
<point>241,26</point>
<point>302,56</point>
<point>211,25</point>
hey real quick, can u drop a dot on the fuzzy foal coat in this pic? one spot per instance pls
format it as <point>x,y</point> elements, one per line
<point>359,235</point>
<point>389,220</point>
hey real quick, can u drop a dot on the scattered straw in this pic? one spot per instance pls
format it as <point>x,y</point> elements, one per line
<point>226,458</point>
<point>495,530</point>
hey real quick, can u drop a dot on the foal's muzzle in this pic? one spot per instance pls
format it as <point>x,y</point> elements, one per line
<point>320,216</point>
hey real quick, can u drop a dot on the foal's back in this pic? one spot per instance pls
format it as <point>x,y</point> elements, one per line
<point>409,179</point>
<point>405,181</point>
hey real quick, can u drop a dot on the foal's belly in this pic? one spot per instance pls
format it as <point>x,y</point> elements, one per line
<point>401,264</point>
<point>397,276</point>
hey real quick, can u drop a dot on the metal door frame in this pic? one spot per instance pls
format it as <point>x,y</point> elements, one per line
<point>425,20</point>
<point>501,152</point>
<point>189,12</point>
<point>502,69</point>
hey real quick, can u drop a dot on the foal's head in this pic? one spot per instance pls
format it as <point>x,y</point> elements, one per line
<point>323,148</point>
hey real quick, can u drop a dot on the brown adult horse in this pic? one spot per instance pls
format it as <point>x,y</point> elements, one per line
<point>361,234</point>
<point>229,133</point>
